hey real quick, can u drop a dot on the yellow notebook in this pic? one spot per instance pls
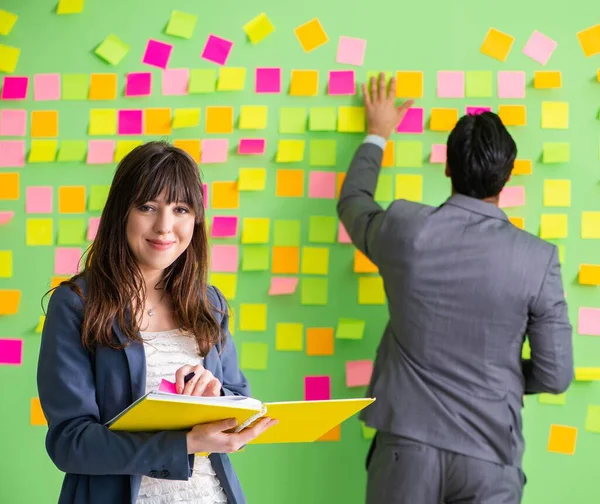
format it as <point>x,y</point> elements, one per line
<point>299,421</point>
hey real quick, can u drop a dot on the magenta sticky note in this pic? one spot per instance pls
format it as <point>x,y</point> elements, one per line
<point>6,217</point>
<point>252,146</point>
<point>341,82</point>
<point>216,49</point>
<point>224,258</point>
<point>476,110</point>
<point>512,196</point>
<point>224,227</point>
<point>14,88</point>
<point>351,51</point>
<point>283,286</point>
<point>539,47</point>
<point>131,122</point>
<point>205,195</point>
<point>511,84</point>
<point>317,388</point>
<point>214,150</point>
<point>358,373</point>
<point>268,80</point>
<point>11,351</point>
<point>175,81</point>
<point>12,153</point>
<point>101,151</point>
<point>412,121</point>
<point>67,260</point>
<point>438,153</point>
<point>450,84</point>
<point>589,322</point>
<point>46,87</point>
<point>322,184</point>
<point>343,236</point>
<point>93,225</point>
<point>38,200</point>
<point>138,84</point>
<point>167,387</point>
<point>157,53</point>
<point>13,122</point>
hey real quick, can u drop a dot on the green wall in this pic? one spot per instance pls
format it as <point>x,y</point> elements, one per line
<point>428,36</point>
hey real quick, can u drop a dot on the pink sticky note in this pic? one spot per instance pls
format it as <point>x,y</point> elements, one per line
<point>539,47</point>
<point>205,195</point>
<point>214,150</point>
<point>131,122</point>
<point>46,87</point>
<point>343,236</point>
<point>317,388</point>
<point>451,84</point>
<point>589,321</point>
<point>438,153</point>
<point>12,153</point>
<point>175,81</point>
<point>322,184</point>
<point>217,49</point>
<point>167,387</point>
<point>14,88</point>
<point>224,258</point>
<point>511,84</point>
<point>224,227</point>
<point>341,82</point>
<point>476,110</point>
<point>412,122</point>
<point>38,200</point>
<point>11,351</point>
<point>13,122</point>
<point>6,217</point>
<point>512,196</point>
<point>252,146</point>
<point>157,53</point>
<point>138,84</point>
<point>93,225</point>
<point>101,151</point>
<point>358,373</point>
<point>66,260</point>
<point>351,51</point>
<point>268,80</point>
<point>283,286</point>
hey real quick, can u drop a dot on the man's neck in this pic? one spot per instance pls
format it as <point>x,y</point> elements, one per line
<point>494,200</point>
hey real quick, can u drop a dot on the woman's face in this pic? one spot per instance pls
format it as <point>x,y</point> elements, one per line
<point>158,233</point>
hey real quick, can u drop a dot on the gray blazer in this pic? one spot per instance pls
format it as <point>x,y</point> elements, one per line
<point>464,288</point>
<point>80,391</point>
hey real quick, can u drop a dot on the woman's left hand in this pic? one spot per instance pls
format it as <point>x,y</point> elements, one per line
<point>203,383</point>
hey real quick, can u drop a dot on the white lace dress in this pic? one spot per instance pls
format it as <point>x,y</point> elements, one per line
<point>167,351</point>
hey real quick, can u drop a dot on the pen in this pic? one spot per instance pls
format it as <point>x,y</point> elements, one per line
<point>188,377</point>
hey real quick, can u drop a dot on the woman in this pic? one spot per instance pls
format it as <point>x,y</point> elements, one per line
<point>141,311</point>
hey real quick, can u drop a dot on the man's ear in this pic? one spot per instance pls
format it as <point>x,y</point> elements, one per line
<point>447,171</point>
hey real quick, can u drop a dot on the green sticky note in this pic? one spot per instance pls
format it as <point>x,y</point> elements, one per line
<point>556,152</point>
<point>255,258</point>
<point>322,229</point>
<point>98,197</point>
<point>322,119</point>
<point>409,154</point>
<point>112,49</point>
<point>72,150</point>
<point>313,291</point>
<point>350,329</point>
<point>526,351</point>
<point>181,24</point>
<point>561,254</point>
<point>292,120</point>
<point>39,232</point>
<point>202,81</point>
<point>592,421</point>
<point>6,263</point>
<point>478,84</point>
<point>555,399</point>
<point>289,337</point>
<point>375,73</point>
<point>75,86</point>
<point>367,432</point>
<point>384,192</point>
<point>323,152</point>
<point>254,356</point>
<point>286,233</point>
<point>71,231</point>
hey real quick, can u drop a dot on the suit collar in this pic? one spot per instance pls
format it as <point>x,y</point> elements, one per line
<point>476,206</point>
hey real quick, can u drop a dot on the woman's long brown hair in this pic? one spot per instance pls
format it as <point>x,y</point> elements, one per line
<point>115,285</point>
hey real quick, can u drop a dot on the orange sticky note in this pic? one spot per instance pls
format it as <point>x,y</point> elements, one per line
<point>304,83</point>
<point>290,183</point>
<point>71,199</point>
<point>311,35</point>
<point>225,195</point>
<point>522,167</point>
<point>547,79</point>
<point>103,86</point>
<point>286,260</point>
<point>340,177</point>
<point>44,124</point>
<point>362,264</point>
<point>443,119</point>
<point>518,222</point>
<point>389,154</point>
<point>513,115</point>
<point>36,415</point>
<point>589,39</point>
<point>319,341</point>
<point>562,439</point>
<point>192,147</point>
<point>409,84</point>
<point>9,301</point>
<point>334,434</point>
<point>589,274</point>
<point>219,119</point>
<point>157,121</point>
<point>497,44</point>
<point>9,186</point>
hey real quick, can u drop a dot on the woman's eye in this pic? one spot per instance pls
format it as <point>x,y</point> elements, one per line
<point>185,210</point>
<point>144,208</point>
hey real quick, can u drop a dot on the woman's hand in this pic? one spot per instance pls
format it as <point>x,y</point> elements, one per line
<point>203,383</point>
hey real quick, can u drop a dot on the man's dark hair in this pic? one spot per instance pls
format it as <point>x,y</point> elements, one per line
<point>481,155</point>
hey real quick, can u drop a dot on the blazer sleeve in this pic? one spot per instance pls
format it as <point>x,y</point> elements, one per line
<point>77,442</point>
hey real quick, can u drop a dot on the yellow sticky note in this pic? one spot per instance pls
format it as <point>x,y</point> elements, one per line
<point>9,186</point>
<point>351,119</point>
<point>219,119</point>
<point>9,57</point>
<point>70,6</point>
<point>191,146</point>
<point>522,167</point>
<point>497,44</point>
<point>71,199</point>
<point>9,301</point>
<point>44,123</point>
<point>252,179</point>
<point>289,337</point>
<point>124,147</point>
<point>290,151</point>
<point>518,222</point>
<point>186,118</point>
<point>304,83</point>
<point>315,261</point>
<point>553,226</point>
<point>311,35</point>
<point>225,195</point>
<point>103,86</point>
<point>589,39</point>
<point>253,317</point>
<point>255,230</point>
<point>39,328</point>
<point>42,151</point>
<point>39,232</point>
<point>226,283</point>
<point>587,374</point>
<point>7,21</point>
<point>6,263</point>
<point>589,274</point>
<point>253,117</point>
<point>513,115</point>
<point>562,439</point>
<point>370,290</point>
<point>231,79</point>
<point>557,193</point>
<point>545,79</point>
<point>409,187</point>
<point>289,184</point>
<point>590,225</point>
<point>157,121</point>
<point>103,122</point>
<point>409,84</point>
<point>443,119</point>
<point>36,415</point>
<point>555,115</point>
<point>259,28</point>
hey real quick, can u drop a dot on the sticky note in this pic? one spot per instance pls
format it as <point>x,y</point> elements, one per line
<point>9,186</point>
<point>351,119</point>
<point>289,183</point>
<point>46,87</point>
<point>314,291</point>
<point>349,328</point>
<point>11,350</point>
<point>254,356</point>
<point>103,122</point>
<point>6,263</point>
<point>226,283</point>
<point>44,123</point>
<point>282,286</point>
<point>321,185</point>
<point>341,82</point>
<point>286,260</point>
<point>517,221</point>
<point>409,187</point>
<point>589,39</point>
<point>286,233</point>
<point>14,88</point>
<point>476,110</point>
<point>478,84</point>
<point>214,151</point>
<point>589,274</point>
<point>71,199</point>
<point>512,196</point>
<point>412,121</point>
<point>592,420</point>
<point>438,154</point>
<point>259,28</point>
<point>315,261</point>
<point>358,373</point>
<point>9,57</point>
<point>409,154</point>
<point>557,193</point>
<point>409,84</point>
<point>185,118</point>
<point>38,199</point>
<point>311,35</point>
<point>513,115</point>
<point>224,258</point>
<point>224,227</point>
<point>69,6</point>
<point>98,197</point>
<point>362,264</point>
<point>75,86</point>
<point>497,44</point>
<point>181,24</point>
<point>522,167</point>
<point>443,119</point>
<point>157,121</point>
<point>384,189</point>
<point>231,79</point>
<point>157,53</point>
<point>587,374</point>
<point>175,81</point>
<point>36,414</point>
<point>539,47</point>
<point>138,84</point>
<point>12,153</point>
<point>103,86</point>
<point>42,151</point>
<point>289,337</point>
<point>9,305</point>
<point>553,399</point>
<point>130,122</point>
<point>370,290</point>
<point>292,120</point>
<point>290,151</point>
<point>553,226</point>
<point>7,21</point>
<point>322,119</point>
<point>319,341</point>
<point>322,153</point>
<point>562,439</point>
<point>255,258</point>
<point>451,84</point>
<point>253,317</point>
<point>268,80</point>
<point>124,147</point>
<point>253,117</point>
<point>556,152</point>
<point>590,225</point>
<point>368,433</point>
<point>252,179</point>
<point>555,115</point>
<point>216,50</point>
<point>71,231</point>
<point>547,80</point>
<point>66,260</point>
<point>255,230</point>
<point>13,122</point>
<point>351,51</point>
<point>511,84</point>
<point>112,49</point>
<point>219,119</point>
<point>304,83</point>
<point>7,216</point>
<point>39,232</point>
<point>343,236</point>
<point>317,388</point>
<point>93,225</point>
<point>589,321</point>
<point>252,146</point>
<point>225,195</point>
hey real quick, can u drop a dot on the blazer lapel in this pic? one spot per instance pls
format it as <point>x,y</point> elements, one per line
<point>136,359</point>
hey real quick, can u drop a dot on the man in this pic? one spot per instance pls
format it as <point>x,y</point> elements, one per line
<point>464,287</point>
